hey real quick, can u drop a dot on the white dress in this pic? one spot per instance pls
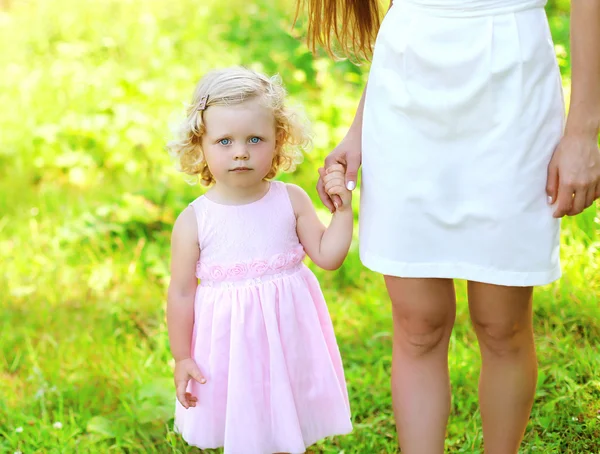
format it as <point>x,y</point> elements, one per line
<point>464,108</point>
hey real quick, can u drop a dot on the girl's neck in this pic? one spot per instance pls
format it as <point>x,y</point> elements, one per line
<point>228,195</point>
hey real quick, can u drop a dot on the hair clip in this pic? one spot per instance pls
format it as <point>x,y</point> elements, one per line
<point>203,102</point>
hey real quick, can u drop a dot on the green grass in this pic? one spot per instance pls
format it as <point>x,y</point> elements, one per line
<point>88,196</point>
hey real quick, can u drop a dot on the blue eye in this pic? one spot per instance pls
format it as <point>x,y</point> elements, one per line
<point>225,141</point>
<point>255,139</point>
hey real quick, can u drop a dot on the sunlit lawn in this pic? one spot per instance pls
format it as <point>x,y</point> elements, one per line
<point>88,195</point>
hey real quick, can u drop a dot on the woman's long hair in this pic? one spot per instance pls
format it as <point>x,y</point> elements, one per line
<point>353,24</point>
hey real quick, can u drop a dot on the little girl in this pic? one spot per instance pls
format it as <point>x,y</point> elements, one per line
<point>258,368</point>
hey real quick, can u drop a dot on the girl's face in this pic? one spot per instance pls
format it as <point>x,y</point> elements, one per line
<point>239,142</point>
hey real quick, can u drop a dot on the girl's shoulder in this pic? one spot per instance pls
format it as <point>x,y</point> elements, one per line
<point>193,218</point>
<point>294,191</point>
<point>198,201</point>
<point>299,198</point>
<point>185,227</point>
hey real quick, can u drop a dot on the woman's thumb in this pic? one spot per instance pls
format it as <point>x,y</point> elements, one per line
<point>352,165</point>
<point>552,183</point>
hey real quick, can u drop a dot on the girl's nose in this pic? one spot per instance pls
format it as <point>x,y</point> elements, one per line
<point>241,152</point>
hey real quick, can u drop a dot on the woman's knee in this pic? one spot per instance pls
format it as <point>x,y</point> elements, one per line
<point>423,312</point>
<point>419,335</point>
<point>503,337</point>
<point>502,317</point>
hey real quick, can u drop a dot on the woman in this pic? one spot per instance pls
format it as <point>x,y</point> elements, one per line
<point>467,168</point>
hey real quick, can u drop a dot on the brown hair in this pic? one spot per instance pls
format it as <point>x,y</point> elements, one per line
<point>352,23</point>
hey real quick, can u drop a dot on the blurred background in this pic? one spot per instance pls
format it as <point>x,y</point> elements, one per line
<point>89,91</point>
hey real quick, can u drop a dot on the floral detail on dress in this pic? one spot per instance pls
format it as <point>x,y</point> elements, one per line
<point>237,270</point>
<point>216,273</point>
<point>251,270</point>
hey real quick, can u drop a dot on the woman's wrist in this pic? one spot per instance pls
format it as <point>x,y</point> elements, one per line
<point>583,122</point>
<point>590,131</point>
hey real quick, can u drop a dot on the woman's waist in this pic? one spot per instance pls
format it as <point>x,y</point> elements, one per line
<point>468,8</point>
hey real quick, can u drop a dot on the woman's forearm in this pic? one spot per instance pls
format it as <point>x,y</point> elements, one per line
<point>584,109</point>
<point>356,127</point>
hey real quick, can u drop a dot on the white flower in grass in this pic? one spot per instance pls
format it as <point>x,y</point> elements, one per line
<point>18,452</point>
<point>19,430</point>
<point>57,425</point>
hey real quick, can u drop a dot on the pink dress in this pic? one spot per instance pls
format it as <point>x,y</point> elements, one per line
<point>262,335</point>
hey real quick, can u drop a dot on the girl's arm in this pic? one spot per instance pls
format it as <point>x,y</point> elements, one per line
<point>182,288</point>
<point>180,306</point>
<point>326,247</point>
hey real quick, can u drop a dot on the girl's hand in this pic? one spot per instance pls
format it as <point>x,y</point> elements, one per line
<point>185,370</point>
<point>574,174</point>
<point>349,154</point>
<point>334,183</point>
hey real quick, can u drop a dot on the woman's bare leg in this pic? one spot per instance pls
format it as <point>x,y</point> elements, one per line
<point>502,317</point>
<point>423,312</point>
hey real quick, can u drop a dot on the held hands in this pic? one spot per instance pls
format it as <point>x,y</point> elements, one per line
<point>349,154</point>
<point>574,174</point>
<point>334,184</point>
<point>185,370</point>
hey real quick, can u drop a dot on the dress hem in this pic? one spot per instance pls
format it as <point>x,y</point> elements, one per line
<point>464,271</point>
<point>307,444</point>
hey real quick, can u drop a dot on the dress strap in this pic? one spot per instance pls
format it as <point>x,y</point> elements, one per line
<point>199,207</point>
<point>282,196</point>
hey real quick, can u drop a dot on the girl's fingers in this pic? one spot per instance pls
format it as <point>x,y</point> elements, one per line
<point>190,397</point>
<point>324,196</point>
<point>182,394</point>
<point>336,187</point>
<point>332,183</point>
<point>335,173</point>
<point>191,400</point>
<point>335,168</point>
<point>331,177</point>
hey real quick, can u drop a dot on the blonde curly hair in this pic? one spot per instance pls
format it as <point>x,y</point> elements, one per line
<point>232,86</point>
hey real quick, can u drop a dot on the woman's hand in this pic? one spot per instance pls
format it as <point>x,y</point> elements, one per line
<point>574,174</point>
<point>348,154</point>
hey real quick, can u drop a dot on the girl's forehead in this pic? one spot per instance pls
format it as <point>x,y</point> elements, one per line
<point>251,112</point>
<point>255,105</point>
